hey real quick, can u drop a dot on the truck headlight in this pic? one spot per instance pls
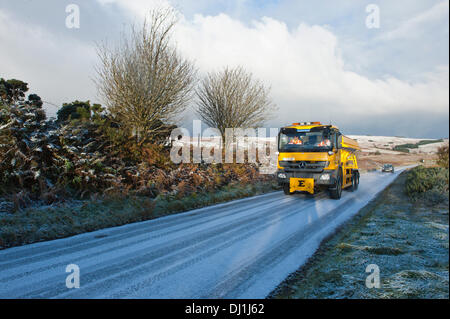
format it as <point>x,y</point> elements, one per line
<point>325,177</point>
<point>281,175</point>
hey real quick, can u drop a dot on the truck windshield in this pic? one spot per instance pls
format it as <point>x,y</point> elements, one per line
<point>293,140</point>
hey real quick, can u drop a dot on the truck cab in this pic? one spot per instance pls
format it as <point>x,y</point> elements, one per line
<point>313,156</point>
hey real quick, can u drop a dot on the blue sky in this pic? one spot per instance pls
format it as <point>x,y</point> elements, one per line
<point>319,58</point>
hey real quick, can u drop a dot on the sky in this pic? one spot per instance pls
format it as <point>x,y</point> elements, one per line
<point>320,58</point>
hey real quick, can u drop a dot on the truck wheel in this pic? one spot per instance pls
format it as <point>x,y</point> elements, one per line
<point>337,191</point>
<point>286,189</point>
<point>355,181</point>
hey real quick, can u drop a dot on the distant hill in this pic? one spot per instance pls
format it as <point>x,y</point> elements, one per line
<point>395,145</point>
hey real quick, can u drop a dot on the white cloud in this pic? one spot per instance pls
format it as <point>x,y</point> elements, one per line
<point>310,78</point>
<point>305,69</point>
<point>419,24</point>
<point>57,68</point>
<point>137,8</point>
<point>304,66</point>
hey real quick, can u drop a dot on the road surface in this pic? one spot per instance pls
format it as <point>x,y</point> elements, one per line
<point>239,249</point>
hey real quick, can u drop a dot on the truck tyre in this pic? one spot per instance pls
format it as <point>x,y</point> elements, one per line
<point>335,193</point>
<point>286,189</point>
<point>355,181</point>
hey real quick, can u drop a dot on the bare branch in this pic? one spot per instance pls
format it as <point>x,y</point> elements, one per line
<point>232,98</point>
<point>145,82</point>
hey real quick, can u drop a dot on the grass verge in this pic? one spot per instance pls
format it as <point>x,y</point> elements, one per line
<point>52,222</point>
<point>406,238</point>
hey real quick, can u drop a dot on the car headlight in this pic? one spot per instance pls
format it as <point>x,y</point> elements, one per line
<point>281,175</point>
<point>325,177</point>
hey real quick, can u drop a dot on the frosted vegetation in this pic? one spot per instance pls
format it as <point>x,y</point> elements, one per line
<point>60,220</point>
<point>405,235</point>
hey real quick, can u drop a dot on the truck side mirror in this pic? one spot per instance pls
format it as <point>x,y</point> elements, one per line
<point>339,142</point>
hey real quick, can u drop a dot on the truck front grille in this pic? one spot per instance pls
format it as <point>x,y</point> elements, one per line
<point>304,166</point>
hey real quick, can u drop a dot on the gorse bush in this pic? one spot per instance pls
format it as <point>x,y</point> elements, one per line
<point>85,152</point>
<point>25,153</point>
<point>429,184</point>
<point>442,154</point>
<point>13,90</point>
<point>74,110</point>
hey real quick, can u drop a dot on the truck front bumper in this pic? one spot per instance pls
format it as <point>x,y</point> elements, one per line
<point>325,178</point>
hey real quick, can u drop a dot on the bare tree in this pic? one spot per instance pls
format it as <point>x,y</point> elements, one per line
<point>232,98</point>
<point>144,81</point>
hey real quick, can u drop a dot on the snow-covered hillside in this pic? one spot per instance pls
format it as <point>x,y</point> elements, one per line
<point>382,144</point>
<point>385,144</point>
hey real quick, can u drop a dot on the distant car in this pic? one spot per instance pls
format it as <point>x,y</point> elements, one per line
<point>388,168</point>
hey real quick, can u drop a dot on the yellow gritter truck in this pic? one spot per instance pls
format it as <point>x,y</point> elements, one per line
<point>313,156</point>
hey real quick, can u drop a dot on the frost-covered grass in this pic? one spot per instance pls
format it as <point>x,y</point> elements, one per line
<point>406,239</point>
<point>63,220</point>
